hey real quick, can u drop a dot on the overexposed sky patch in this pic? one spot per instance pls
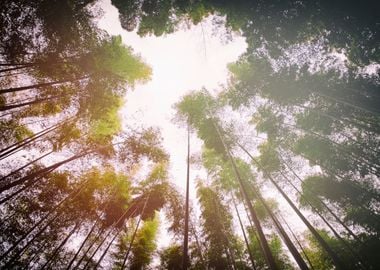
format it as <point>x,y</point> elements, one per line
<point>186,60</point>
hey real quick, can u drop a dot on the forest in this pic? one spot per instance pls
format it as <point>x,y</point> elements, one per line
<point>290,144</point>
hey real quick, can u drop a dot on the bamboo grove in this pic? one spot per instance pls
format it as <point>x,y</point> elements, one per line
<point>291,144</point>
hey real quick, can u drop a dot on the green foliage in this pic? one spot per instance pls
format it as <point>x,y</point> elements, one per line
<point>322,152</point>
<point>171,257</point>
<point>144,244</point>
<point>320,259</point>
<point>106,127</point>
<point>223,175</point>
<point>196,109</point>
<point>266,121</point>
<point>67,133</point>
<point>310,120</point>
<point>146,144</point>
<point>80,70</point>
<point>268,159</point>
<point>354,198</point>
<point>275,245</point>
<point>115,59</point>
<point>282,259</point>
<point>12,131</point>
<point>217,227</point>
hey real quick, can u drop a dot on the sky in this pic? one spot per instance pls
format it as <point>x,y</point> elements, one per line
<point>186,60</point>
<point>183,61</point>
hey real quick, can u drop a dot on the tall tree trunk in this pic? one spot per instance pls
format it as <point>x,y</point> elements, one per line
<point>323,203</point>
<point>40,85</point>
<point>17,64</point>
<point>34,102</point>
<point>15,146</point>
<point>90,232</point>
<point>134,234</point>
<point>244,234</point>
<point>229,250</point>
<point>243,189</point>
<point>373,168</point>
<point>37,253</point>
<point>55,253</point>
<point>104,239</point>
<point>343,121</point>
<point>341,178</point>
<point>185,258</point>
<point>349,104</point>
<point>89,248</point>
<point>337,261</point>
<point>73,194</point>
<point>42,132</point>
<point>29,178</point>
<point>297,240</point>
<point>198,246</point>
<point>82,245</point>
<point>293,250</point>
<point>106,250</point>
<point>18,253</point>
<point>337,235</point>
<point>12,68</point>
<point>25,166</point>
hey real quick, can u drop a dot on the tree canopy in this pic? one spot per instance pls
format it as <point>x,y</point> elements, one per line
<point>290,144</point>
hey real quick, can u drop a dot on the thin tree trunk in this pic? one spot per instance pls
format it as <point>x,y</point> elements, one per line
<point>34,102</point>
<point>11,74</point>
<point>55,208</point>
<point>343,241</point>
<point>297,240</point>
<point>337,261</point>
<point>18,253</point>
<point>52,257</point>
<point>244,235</point>
<point>323,203</point>
<point>88,249</point>
<point>9,150</point>
<point>90,232</point>
<point>25,166</point>
<point>104,239</point>
<point>228,256</point>
<point>185,258</point>
<point>229,251</point>
<point>341,120</point>
<point>106,250</point>
<point>353,106</point>
<point>355,157</point>
<point>82,245</point>
<point>342,178</point>
<point>28,179</point>
<point>31,138</point>
<point>39,85</point>
<point>293,250</point>
<point>12,68</point>
<point>12,195</point>
<point>37,253</point>
<point>198,246</point>
<point>243,189</point>
<point>134,233</point>
<point>17,64</point>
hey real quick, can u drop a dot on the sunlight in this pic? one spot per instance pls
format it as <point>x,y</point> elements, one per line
<point>205,134</point>
<point>186,60</point>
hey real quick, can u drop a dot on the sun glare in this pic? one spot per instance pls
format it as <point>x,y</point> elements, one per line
<point>183,61</point>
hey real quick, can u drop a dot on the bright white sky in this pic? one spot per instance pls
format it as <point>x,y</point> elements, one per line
<point>186,60</point>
